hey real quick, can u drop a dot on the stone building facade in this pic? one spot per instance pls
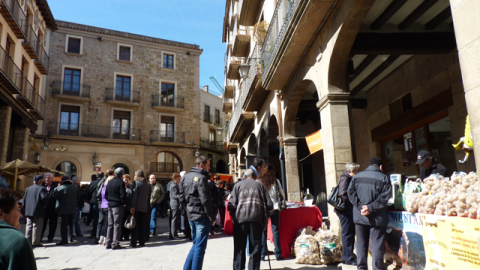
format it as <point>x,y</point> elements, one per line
<point>121,100</point>
<point>378,78</point>
<point>24,27</point>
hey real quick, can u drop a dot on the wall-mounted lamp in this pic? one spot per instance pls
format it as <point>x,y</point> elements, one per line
<point>219,131</point>
<point>46,142</point>
<point>100,38</point>
<point>95,159</point>
<point>196,153</point>
<point>243,70</point>
<point>37,157</point>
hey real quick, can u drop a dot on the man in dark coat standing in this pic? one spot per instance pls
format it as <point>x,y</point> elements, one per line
<point>51,216</point>
<point>195,197</point>
<point>369,192</point>
<point>250,206</point>
<point>92,194</point>
<point>67,196</point>
<point>116,196</point>
<point>35,202</point>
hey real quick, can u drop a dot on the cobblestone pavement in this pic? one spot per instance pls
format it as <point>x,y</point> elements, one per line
<point>159,253</point>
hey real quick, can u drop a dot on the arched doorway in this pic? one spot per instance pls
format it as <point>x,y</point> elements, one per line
<point>273,145</point>
<point>251,150</point>
<point>121,165</point>
<point>68,168</point>
<point>221,166</point>
<point>166,162</point>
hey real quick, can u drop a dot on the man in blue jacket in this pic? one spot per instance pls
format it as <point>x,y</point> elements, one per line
<point>368,192</point>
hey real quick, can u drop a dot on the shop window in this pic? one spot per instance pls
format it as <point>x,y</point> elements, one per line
<point>168,94</point>
<point>68,168</point>
<point>166,162</point>
<point>167,128</point>
<point>69,120</point>
<point>121,125</point>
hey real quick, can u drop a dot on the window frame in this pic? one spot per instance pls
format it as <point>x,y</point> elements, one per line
<point>67,37</point>
<point>115,75</point>
<point>166,138</point>
<point>215,116</point>
<point>118,51</point>
<point>174,60</point>
<point>120,134</point>
<point>166,97</point>
<point>112,117</point>
<point>60,111</point>
<point>71,83</point>
<point>175,157</point>
<point>63,76</point>
<point>205,113</point>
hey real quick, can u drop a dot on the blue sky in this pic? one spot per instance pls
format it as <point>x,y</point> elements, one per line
<point>196,22</point>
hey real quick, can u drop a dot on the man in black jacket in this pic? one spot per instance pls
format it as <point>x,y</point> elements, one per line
<point>92,194</point>
<point>250,206</point>
<point>428,165</point>
<point>195,197</point>
<point>116,196</point>
<point>212,188</point>
<point>368,192</point>
<point>35,202</point>
<point>51,216</point>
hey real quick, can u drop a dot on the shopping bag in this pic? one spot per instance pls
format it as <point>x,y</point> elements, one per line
<point>336,201</point>
<point>130,222</point>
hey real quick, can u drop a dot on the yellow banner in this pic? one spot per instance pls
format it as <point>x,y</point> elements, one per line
<point>437,244</point>
<point>464,234</point>
<point>314,142</point>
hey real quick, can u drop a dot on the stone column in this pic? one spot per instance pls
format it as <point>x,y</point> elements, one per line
<point>291,169</point>
<point>20,150</point>
<point>337,148</point>
<point>466,21</point>
<point>5,119</point>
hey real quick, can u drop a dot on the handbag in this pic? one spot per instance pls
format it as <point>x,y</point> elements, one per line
<point>282,205</point>
<point>130,222</point>
<point>335,201</point>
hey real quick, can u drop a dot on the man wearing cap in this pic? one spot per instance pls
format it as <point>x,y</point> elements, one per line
<point>369,192</point>
<point>67,196</point>
<point>35,202</point>
<point>428,165</point>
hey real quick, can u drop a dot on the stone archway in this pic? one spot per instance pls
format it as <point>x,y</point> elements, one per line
<point>292,104</point>
<point>263,145</point>
<point>251,150</point>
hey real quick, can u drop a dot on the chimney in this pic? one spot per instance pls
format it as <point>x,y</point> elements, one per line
<point>205,88</point>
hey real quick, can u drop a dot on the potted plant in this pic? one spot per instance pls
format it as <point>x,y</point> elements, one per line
<point>260,31</point>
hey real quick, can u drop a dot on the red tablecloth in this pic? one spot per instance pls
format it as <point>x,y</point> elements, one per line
<point>291,220</point>
<point>228,224</point>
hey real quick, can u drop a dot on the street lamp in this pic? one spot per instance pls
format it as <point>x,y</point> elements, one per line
<point>46,142</point>
<point>196,153</point>
<point>243,70</point>
<point>37,157</point>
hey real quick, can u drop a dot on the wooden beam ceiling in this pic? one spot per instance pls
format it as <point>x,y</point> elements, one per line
<point>365,63</point>
<point>404,43</point>
<point>387,14</point>
<point>417,13</point>
<point>374,74</point>
<point>441,17</point>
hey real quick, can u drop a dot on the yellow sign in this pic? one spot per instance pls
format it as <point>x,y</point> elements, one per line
<point>314,142</point>
<point>464,245</point>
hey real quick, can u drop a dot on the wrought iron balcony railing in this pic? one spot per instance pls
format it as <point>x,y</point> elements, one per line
<point>39,111</point>
<point>70,89</point>
<point>123,95</point>
<point>32,43</point>
<point>167,136</point>
<point>206,143</point>
<point>43,60</point>
<point>16,17</point>
<point>163,101</point>
<point>207,117</point>
<point>93,131</point>
<point>165,167</point>
<point>276,31</point>
<point>11,75</point>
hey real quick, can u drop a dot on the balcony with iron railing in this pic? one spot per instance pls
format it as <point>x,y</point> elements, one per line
<point>217,121</point>
<point>211,145</point>
<point>207,117</point>
<point>165,167</point>
<point>122,97</point>
<point>70,91</point>
<point>293,26</point>
<point>253,93</point>
<point>233,64</point>
<point>162,136</point>
<point>93,131</point>
<point>168,104</point>
<point>38,111</point>
<point>241,45</point>
<point>227,105</point>
<point>32,43</point>
<point>240,122</point>
<point>248,10</point>
<point>43,60</point>
<point>10,74</point>
<point>16,18</point>
<point>28,92</point>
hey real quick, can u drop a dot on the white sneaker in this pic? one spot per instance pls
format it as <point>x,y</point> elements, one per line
<point>102,240</point>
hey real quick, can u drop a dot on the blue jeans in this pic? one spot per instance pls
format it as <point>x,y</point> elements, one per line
<point>200,230</point>
<point>76,221</point>
<point>153,218</point>
<point>275,218</point>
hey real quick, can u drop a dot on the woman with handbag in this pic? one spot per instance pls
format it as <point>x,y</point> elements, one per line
<point>140,204</point>
<point>269,180</point>
<point>346,216</point>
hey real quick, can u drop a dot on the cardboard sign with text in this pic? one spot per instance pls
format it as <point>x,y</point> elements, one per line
<point>436,242</point>
<point>464,246</point>
<point>314,142</point>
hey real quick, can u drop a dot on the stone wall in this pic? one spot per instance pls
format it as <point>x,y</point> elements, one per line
<point>5,119</point>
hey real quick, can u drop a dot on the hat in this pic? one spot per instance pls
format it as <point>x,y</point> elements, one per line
<point>375,161</point>
<point>37,178</point>
<point>65,178</point>
<point>422,156</point>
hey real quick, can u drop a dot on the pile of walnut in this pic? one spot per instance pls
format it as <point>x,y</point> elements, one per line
<point>459,196</point>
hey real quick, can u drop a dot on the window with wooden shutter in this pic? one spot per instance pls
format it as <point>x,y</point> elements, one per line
<point>124,53</point>
<point>74,45</point>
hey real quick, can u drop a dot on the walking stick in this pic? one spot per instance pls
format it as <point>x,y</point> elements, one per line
<point>266,249</point>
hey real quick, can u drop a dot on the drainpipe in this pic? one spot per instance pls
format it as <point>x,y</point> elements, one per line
<point>280,141</point>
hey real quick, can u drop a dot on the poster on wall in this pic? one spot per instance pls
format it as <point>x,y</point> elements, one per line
<point>404,241</point>
<point>437,242</point>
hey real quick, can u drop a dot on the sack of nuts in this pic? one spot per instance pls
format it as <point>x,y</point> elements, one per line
<point>306,249</point>
<point>330,247</point>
